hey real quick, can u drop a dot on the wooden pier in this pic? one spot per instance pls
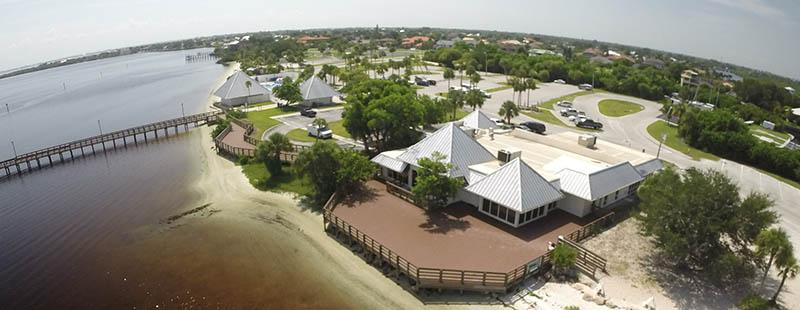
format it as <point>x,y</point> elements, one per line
<point>68,151</point>
<point>201,57</point>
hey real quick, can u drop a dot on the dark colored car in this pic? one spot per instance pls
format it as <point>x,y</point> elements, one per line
<point>591,124</point>
<point>308,112</point>
<point>424,82</point>
<point>534,126</point>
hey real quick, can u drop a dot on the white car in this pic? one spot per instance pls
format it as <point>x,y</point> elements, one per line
<point>560,81</point>
<point>322,133</point>
<point>565,104</point>
<point>577,118</point>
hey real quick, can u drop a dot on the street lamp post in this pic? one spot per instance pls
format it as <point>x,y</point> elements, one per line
<point>663,138</point>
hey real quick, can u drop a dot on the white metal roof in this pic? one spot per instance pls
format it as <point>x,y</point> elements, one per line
<point>458,148</point>
<point>516,186</point>
<point>314,88</point>
<point>389,160</point>
<point>478,120</point>
<point>236,87</point>
<point>600,183</point>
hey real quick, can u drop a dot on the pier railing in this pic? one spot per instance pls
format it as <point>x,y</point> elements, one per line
<point>424,277</point>
<point>15,165</point>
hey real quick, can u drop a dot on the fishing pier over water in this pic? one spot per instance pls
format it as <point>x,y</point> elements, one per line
<point>68,151</point>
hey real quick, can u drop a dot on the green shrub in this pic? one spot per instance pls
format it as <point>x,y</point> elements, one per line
<point>753,302</point>
<point>220,127</point>
<point>244,160</point>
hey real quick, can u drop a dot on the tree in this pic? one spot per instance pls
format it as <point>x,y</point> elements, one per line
<point>434,186</point>
<point>448,75</point>
<point>456,100</point>
<point>787,264</point>
<point>319,164</point>
<point>269,152</point>
<point>288,91</point>
<point>247,84</point>
<point>530,84</point>
<point>508,111</point>
<point>769,244</point>
<point>383,113</point>
<point>475,98</point>
<point>354,169</point>
<point>563,258</point>
<point>319,123</point>
<point>690,215</point>
<point>474,79</point>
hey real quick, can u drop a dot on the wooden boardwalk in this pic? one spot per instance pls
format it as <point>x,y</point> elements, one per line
<point>38,159</point>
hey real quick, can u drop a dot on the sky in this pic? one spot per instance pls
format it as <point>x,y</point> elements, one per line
<point>761,34</point>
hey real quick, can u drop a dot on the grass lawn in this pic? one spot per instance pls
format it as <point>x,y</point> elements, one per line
<point>617,108</point>
<point>300,135</point>
<point>287,182</point>
<point>658,128</point>
<point>460,113</point>
<point>497,89</point>
<point>338,129</point>
<point>262,120</point>
<point>778,137</point>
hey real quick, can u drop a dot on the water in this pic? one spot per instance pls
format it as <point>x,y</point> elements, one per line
<point>91,233</point>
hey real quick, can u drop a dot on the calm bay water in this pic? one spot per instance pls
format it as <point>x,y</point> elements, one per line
<point>88,234</point>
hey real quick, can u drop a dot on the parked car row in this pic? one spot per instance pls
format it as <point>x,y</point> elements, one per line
<point>577,117</point>
<point>466,87</point>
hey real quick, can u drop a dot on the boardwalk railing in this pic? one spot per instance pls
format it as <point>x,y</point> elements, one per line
<point>586,261</point>
<point>423,277</point>
<point>250,152</point>
<point>590,229</point>
<point>400,192</point>
<point>60,151</point>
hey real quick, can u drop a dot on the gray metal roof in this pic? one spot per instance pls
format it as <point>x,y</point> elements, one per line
<point>516,186</point>
<point>458,148</point>
<point>478,120</point>
<point>236,87</point>
<point>314,88</point>
<point>389,160</point>
<point>649,167</point>
<point>598,184</point>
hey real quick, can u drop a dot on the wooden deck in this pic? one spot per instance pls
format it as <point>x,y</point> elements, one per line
<point>454,248</point>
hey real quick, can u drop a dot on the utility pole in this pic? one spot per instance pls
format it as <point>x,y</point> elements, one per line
<point>100,126</point>
<point>663,138</point>
<point>13,147</point>
<point>183,114</point>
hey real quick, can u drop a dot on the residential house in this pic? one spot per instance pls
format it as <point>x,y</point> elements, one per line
<point>415,41</point>
<point>306,39</point>
<point>241,89</point>
<point>444,44</point>
<point>654,62</point>
<point>530,175</point>
<point>690,77</point>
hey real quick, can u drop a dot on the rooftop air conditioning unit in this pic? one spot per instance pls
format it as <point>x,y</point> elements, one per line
<point>587,140</point>
<point>507,155</point>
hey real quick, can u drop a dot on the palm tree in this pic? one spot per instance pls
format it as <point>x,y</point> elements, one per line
<point>519,86</point>
<point>319,123</point>
<point>448,75</point>
<point>475,78</point>
<point>456,100</point>
<point>269,151</point>
<point>787,264</point>
<point>530,84</point>
<point>475,99</point>
<point>247,84</point>
<point>771,243</point>
<point>508,111</point>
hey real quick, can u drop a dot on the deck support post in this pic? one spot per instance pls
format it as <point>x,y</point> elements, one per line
<point>93,149</point>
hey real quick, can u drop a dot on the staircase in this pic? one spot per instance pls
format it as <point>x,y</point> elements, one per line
<point>587,261</point>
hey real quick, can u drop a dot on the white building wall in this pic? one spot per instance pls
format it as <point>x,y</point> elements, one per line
<point>467,197</point>
<point>575,205</point>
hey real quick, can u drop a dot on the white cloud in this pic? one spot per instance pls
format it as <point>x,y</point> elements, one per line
<point>759,7</point>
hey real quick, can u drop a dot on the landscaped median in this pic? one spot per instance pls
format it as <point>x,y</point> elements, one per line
<point>550,103</point>
<point>660,128</point>
<point>618,108</point>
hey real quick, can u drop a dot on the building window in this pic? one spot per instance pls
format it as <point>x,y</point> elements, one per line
<point>485,206</point>
<point>503,213</point>
<point>616,195</point>
<point>494,209</point>
<point>511,216</point>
